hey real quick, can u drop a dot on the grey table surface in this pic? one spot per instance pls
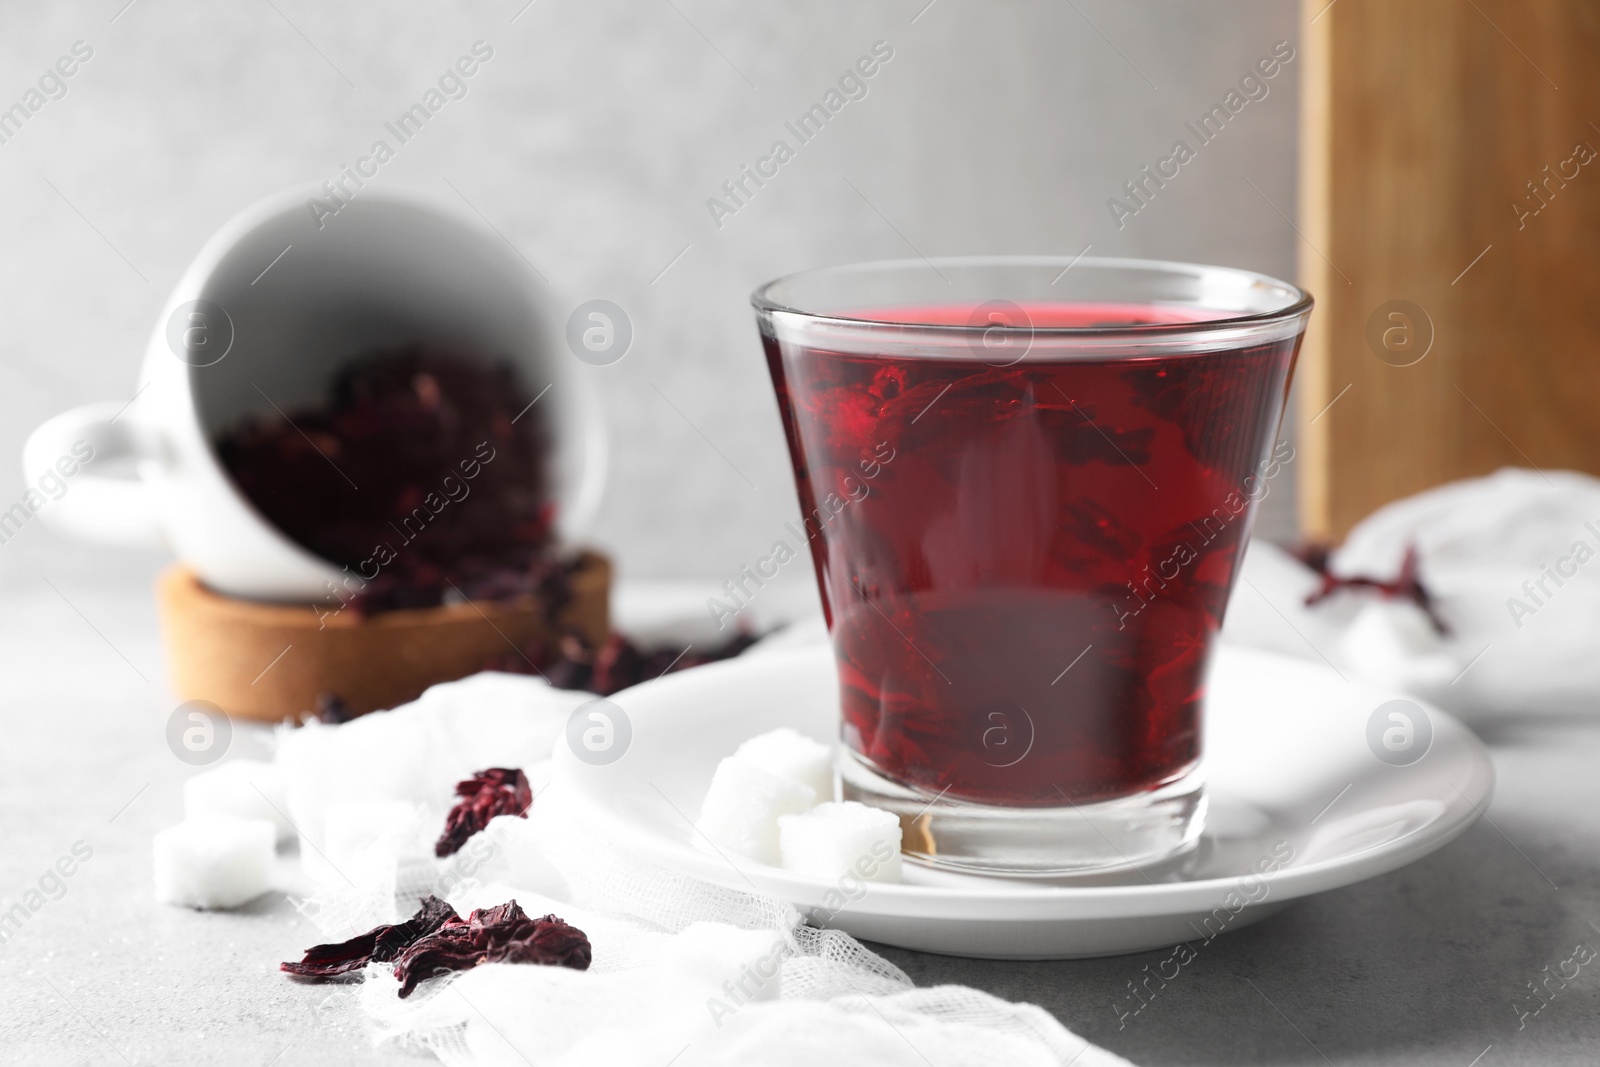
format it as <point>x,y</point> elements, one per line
<point>1426,965</point>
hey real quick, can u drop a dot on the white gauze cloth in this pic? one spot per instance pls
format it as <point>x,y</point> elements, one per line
<point>1513,563</point>
<point>678,963</point>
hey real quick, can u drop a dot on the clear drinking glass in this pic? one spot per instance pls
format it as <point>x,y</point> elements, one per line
<point>1027,484</point>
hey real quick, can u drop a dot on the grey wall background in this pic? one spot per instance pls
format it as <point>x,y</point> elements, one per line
<point>592,140</point>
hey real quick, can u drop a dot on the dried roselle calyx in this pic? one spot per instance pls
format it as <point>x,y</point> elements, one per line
<point>437,941</point>
<point>503,934</point>
<point>496,791</point>
<point>552,943</point>
<point>544,578</point>
<point>381,944</point>
<point>332,709</point>
<point>573,666</point>
<point>1407,585</point>
<point>619,663</point>
<point>669,660</point>
<point>452,462</point>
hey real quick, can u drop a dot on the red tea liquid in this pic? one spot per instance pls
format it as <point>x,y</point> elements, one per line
<point>1024,567</point>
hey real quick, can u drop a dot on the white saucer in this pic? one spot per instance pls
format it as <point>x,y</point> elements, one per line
<point>1287,759</point>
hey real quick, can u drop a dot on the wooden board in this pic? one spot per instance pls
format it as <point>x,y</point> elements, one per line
<point>1424,123</point>
<point>270,661</point>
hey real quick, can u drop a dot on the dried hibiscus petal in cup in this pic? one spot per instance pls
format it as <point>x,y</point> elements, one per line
<point>423,469</point>
<point>496,791</point>
<point>437,941</point>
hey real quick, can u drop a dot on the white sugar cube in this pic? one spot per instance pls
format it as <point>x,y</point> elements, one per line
<point>835,839</point>
<point>741,810</point>
<point>748,962</point>
<point>789,753</point>
<point>244,789</point>
<point>214,862</point>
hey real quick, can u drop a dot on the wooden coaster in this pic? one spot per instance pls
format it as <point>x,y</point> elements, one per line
<point>270,661</point>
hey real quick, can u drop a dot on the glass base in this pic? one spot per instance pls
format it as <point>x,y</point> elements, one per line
<point>1131,832</point>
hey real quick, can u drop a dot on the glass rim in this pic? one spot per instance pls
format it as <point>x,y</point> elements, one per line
<point>1299,304</point>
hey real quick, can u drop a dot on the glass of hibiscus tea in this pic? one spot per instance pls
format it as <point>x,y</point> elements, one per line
<point>1028,483</point>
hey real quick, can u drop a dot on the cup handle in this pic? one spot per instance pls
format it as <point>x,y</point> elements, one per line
<point>95,507</point>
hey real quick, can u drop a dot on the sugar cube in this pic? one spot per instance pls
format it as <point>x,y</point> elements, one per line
<point>789,753</point>
<point>839,838</point>
<point>215,861</point>
<point>742,807</point>
<point>244,789</point>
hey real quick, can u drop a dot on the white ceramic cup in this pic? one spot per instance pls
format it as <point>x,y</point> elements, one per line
<point>267,314</point>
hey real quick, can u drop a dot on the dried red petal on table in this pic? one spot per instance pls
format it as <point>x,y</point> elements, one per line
<point>496,791</point>
<point>437,941</point>
<point>503,934</point>
<point>617,665</point>
<point>570,663</point>
<point>332,710</point>
<point>381,944</point>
